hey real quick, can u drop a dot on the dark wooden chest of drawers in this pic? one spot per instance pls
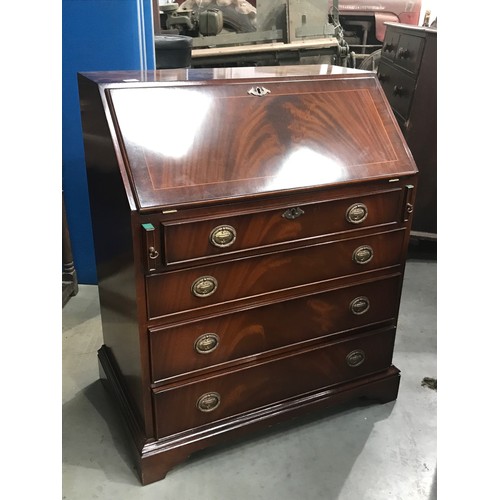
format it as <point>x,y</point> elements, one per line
<point>408,74</point>
<point>250,230</point>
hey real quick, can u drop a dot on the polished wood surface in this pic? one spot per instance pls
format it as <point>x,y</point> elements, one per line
<point>337,125</point>
<point>251,277</point>
<point>191,239</point>
<point>252,238</point>
<point>156,457</point>
<point>242,389</point>
<point>206,76</point>
<point>259,330</point>
<point>223,156</point>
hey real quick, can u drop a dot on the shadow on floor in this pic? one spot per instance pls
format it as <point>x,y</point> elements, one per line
<point>92,435</point>
<point>285,458</point>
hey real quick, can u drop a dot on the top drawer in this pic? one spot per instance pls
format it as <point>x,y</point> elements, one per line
<point>195,239</point>
<point>409,52</point>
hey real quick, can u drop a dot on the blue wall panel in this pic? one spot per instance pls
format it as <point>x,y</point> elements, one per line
<point>97,35</point>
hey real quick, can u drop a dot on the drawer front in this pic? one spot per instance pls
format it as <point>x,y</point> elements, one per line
<point>398,87</point>
<point>203,238</point>
<point>201,344</point>
<point>203,286</point>
<point>189,406</point>
<point>409,52</point>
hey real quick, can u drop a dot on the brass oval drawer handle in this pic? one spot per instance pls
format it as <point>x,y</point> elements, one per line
<point>363,254</point>
<point>359,305</point>
<point>293,213</point>
<point>223,236</point>
<point>356,213</point>
<point>206,343</point>
<point>204,286</point>
<point>208,402</point>
<point>355,358</point>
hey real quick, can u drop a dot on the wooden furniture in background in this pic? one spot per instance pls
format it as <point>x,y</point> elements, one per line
<point>250,243</point>
<point>407,72</point>
<point>69,277</point>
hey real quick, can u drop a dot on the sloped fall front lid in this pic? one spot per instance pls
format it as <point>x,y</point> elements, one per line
<point>215,135</point>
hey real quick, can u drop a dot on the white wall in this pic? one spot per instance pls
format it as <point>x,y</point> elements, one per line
<point>428,5</point>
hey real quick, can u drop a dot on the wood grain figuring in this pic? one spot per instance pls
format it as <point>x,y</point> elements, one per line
<point>291,376</point>
<point>155,458</point>
<point>213,153</point>
<point>170,293</point>
<point>205,344</point>
<point>190,240</point>
<point>261,329</point>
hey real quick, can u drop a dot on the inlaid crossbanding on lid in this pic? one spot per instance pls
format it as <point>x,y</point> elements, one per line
<point>196,142</point>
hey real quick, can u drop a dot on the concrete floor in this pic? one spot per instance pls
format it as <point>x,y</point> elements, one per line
<point>356,453</point>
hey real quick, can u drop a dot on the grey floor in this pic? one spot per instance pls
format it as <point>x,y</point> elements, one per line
<point>356,453</point>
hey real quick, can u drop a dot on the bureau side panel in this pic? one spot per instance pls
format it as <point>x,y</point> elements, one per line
<point>113,244</point>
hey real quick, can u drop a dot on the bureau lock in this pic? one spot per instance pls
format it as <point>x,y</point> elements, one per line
<point>208,402</point>
<point>292,213</point>
<point>258,91</point>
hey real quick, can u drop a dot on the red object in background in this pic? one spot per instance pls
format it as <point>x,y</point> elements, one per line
<point>396,11</point>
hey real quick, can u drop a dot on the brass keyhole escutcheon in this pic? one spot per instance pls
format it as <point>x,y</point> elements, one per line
<point>355,358</point>
<point>359,305</point>
<point>208,402</point>
<point>223,236</point>
<point>204,286</point>
<point>356,213</point>
<point>259,91</point>
<point>363,254</point>
<point>293,213</point>
<point>206,343</point>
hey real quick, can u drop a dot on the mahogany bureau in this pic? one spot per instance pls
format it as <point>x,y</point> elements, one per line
<point>250,230</point>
